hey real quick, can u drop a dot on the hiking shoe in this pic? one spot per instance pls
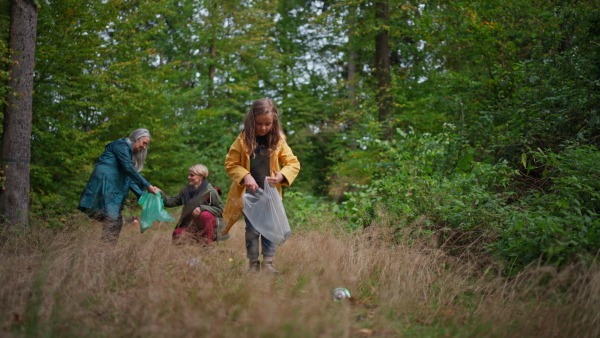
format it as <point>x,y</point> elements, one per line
<point>270,268</point>
<point>254,267</point>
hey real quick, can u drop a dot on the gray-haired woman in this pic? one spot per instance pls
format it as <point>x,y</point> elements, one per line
<point>116,172</point>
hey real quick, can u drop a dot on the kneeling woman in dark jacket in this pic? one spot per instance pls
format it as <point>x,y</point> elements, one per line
<point>201,207</point>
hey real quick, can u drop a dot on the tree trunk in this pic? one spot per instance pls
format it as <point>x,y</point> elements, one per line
<point>214,22</point>
<point>211,68</point>
<point>352,79</point>
<point>16,151</point>
<point>382,69</point>
<point>352,56</point>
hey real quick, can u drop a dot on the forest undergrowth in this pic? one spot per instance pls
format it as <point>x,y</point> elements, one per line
<point>69,284</point>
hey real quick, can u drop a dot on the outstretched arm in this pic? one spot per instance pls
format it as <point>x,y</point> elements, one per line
<point>172,201</point>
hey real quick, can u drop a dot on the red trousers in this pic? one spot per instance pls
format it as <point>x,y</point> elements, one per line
<point>202,230</point>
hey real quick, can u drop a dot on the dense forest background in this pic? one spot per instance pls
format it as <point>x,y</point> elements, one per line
<point>473,123</point>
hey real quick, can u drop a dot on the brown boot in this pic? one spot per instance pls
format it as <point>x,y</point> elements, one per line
<point>254,266</point>
<point>270,268</point>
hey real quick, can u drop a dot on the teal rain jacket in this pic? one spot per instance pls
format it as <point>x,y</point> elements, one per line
<point>114,175</point>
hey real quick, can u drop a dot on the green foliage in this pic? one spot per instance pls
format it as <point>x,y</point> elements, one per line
<point>474,89</point>
<point>433,175</point>
<point>559,221</point>
<point>186,70</point>
<point>516,90</point>
<point>314,151</point>
<point>479,206</point>
<point>305,212</point>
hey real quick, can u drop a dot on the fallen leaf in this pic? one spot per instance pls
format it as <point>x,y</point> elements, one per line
<point>365,332</point>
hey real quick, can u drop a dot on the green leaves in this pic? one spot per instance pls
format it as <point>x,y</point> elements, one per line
<point>474,90</point>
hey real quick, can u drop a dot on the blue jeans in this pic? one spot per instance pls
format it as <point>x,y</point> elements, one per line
<point>268,247</point>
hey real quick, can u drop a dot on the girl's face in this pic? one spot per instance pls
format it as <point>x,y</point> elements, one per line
<point>141,143</point>
<point>263,124</point>
<point>195,180</point>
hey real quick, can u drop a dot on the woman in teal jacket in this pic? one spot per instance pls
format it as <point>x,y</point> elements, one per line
<point>116,172</point>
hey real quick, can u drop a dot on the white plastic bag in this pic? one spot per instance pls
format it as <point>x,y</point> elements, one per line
<point>266,213</point>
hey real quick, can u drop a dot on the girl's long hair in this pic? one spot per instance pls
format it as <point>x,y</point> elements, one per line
<point>261,107</point>
<point>139,157</point>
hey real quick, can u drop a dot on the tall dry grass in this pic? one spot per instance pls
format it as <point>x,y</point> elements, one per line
<point>71,285</point>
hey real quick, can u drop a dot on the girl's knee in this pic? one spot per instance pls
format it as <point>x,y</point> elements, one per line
<point>251,235</point>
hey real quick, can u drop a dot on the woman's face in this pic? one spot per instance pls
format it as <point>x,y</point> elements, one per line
<point>195,180</point>
<point>263,124</point>
<point>140,144</point>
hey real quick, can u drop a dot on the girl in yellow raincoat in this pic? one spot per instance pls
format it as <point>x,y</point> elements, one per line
<point>254,155</point>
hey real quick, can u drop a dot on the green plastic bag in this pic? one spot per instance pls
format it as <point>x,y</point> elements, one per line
<point>152,210</point>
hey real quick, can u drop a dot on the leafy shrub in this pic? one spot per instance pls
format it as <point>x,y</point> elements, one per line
<point>559,222</point>
<point>410,175</point>
<point>50,210</point>
<point>304,211</point>
<point>479,205</point>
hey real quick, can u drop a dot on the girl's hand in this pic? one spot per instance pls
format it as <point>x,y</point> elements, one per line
<point>250,183</point>
<point>153,190</point>
<point>278,178</point>
<point>196,212</point>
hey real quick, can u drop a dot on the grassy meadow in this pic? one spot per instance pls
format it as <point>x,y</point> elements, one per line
<point>69,284</point>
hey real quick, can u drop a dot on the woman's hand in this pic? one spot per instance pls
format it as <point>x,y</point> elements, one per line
<point>153,190</point>
<point>278,178</point>
<point>250,183</point>
<point>196,212</point>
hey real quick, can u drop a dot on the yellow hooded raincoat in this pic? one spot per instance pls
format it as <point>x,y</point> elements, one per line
<point>237,165</point>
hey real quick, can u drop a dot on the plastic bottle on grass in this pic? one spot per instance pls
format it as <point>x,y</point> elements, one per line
<point>340,294</point>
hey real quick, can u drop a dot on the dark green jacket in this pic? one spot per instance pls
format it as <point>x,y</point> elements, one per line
<point>209,201</point>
